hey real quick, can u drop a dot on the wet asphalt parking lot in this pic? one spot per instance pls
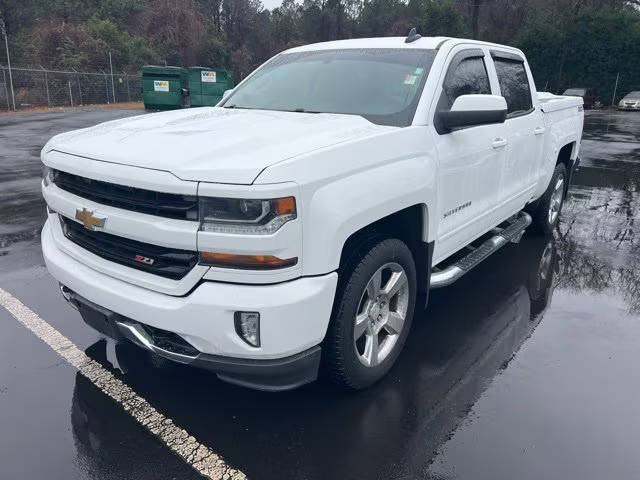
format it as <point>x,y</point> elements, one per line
<point>526,368</point>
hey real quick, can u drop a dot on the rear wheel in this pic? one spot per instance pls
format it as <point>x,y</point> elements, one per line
<point>546,215</point>
<point>373,314</point>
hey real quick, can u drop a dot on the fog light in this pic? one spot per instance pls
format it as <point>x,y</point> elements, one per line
<point>248,327</point>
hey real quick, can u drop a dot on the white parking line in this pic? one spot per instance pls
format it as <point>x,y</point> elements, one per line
<point>203,460</point>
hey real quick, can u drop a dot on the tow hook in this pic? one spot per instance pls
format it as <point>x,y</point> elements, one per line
<point>66,293</point>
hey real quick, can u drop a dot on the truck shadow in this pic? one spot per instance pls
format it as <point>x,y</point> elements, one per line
<point>468,334</point>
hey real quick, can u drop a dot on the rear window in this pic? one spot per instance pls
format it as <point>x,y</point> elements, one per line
<point>514,85</point>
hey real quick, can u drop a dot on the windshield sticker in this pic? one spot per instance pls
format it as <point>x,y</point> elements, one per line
<point>410,79</point>
<point>161,85</point>
<point>419,71</point>
<point>208,76</point>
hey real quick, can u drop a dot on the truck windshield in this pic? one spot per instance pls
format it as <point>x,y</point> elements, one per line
<point>381,85</point>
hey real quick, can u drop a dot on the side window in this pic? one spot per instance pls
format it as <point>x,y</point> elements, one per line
<point>468,77</point>
<point>514,85</point>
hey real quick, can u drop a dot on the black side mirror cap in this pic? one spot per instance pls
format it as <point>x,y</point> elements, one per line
<point>450,120</point>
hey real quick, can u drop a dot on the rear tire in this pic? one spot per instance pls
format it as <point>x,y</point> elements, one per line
<point>546,213</point>
<point>372,314</point>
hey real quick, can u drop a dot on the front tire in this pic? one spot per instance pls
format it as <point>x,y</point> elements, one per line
<point>372,315</point>
<point>547,212</point>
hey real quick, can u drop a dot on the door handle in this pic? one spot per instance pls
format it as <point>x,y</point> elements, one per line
<point>499,143</point>
<point>539,131</point>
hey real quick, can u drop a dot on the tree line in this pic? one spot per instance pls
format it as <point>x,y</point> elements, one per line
<point>569,43</point>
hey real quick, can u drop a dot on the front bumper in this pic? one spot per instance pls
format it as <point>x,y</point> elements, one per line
<point>629,107</point>
<point>269,375</point>
<point>294,315</point>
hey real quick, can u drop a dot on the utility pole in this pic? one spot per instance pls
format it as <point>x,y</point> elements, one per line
<point>126,79</point>
<point>113,88</point>
<point>106,87</point>
<point>615,90</point>
<point>6,90</point>
<point>79,86</point>
<point>475,17</point>
<point>46,84</point>
<point>6,44</point>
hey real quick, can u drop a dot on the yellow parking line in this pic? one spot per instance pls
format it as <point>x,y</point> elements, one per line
<point>201,458</point>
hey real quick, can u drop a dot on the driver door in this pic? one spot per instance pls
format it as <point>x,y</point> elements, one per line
<point>470,159</point>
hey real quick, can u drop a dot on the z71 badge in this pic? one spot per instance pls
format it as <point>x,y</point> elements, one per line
<point>145,260</point>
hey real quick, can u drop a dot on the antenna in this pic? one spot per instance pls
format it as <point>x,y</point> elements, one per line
<point>413,36</point>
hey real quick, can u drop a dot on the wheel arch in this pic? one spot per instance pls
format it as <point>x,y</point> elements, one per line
<point>411,225</point>
<point>565,154</point>
<point>567,157</point>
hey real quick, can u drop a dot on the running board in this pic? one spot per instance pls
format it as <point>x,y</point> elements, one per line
<point>512,233</point>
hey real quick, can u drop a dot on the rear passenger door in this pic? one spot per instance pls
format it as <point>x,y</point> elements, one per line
<point>470,159</point>
<point>524,131</point>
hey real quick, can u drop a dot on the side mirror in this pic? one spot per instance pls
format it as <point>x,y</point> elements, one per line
<point>472,110</point>
<point>227,93</point>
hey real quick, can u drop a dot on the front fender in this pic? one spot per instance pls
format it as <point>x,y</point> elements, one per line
<point>341,208</point>
<point>353,184</point>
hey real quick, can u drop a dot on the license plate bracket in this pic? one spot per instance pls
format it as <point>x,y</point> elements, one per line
<point>98,318</point>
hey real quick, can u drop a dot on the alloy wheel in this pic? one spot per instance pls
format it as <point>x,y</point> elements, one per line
<point>556,200</point>
<point>381,314</point>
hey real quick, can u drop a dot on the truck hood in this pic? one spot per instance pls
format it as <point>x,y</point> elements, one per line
<point>212,144</point>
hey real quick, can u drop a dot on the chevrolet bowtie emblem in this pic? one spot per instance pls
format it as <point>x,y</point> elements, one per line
<point>88,220</point>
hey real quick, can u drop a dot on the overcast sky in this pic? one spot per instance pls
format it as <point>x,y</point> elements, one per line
<point>271,3</point>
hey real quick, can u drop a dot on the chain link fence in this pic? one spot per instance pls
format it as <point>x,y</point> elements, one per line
<point>38,87</point>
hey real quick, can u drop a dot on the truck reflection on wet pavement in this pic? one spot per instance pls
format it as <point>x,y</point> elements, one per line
<point>526,368</point>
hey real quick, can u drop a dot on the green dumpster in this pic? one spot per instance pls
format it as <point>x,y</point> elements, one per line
<point>206,85</point>
<point>163,88</point>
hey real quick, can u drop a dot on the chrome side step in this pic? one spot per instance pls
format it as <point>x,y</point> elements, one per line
<point>511,233</point>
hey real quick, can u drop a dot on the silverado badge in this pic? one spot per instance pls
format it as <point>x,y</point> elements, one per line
<point>88,220</point>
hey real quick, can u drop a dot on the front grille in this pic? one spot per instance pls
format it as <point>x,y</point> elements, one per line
<point>165,262</point>
<point>170,205</point>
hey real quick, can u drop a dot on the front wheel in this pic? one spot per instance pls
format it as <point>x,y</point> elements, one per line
<point>373,314</point>
<point>547,213</point>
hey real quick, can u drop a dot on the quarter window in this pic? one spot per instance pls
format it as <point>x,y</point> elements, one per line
<point>468,77</point>
<point>514,85</point>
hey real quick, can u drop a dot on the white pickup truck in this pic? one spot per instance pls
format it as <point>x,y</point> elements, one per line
<point>289,230</point>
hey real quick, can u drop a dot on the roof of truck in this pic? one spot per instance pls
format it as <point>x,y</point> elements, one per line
<point>424,43</point>
<point>428,43</point>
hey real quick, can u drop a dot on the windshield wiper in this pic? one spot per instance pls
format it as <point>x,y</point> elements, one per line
<point>233,105</point>
<point>302,110</point>
<point>296,110</point>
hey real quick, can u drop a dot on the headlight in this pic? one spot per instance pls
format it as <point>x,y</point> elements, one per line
<point>245,216</point>
<point>48,175</point>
